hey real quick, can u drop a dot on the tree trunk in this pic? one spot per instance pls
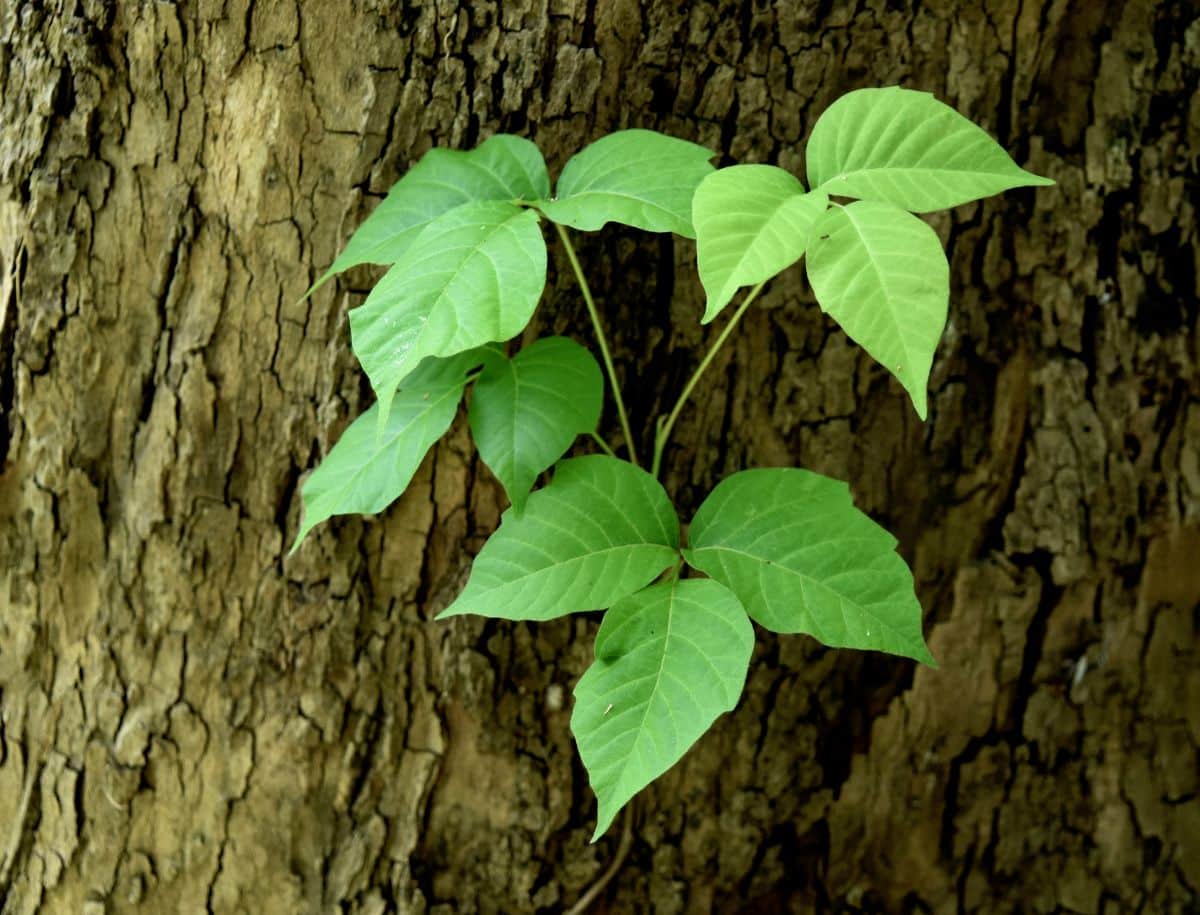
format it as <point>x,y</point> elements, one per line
<point>191,722</point>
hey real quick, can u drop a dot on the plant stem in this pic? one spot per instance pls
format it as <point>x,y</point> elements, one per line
<point>663,430</point>
<point>623,846</point>
<point>608,363</point>
<point>604,446</point>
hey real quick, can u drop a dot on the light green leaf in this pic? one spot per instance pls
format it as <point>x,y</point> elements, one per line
<point>473,276</point>
<point>880,272</point>
<point>365,472</point>
<point>669,660</point>
<point>907,148</point>
<point>503,167</point>
<point>801,558</point>
<point>602,529</point>
<point>641,178</point>
<point>752,221</point>
<point>525,413</point>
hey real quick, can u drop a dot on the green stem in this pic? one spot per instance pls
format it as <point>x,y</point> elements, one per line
<point>604,446</point>
<point>608,363</point>
<point>663,431</point>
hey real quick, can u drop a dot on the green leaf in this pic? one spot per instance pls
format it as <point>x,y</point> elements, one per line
<point>473,276</point>
<point>365,472</point>
<point>669,660</point>
<point>752,221</point>
<point>640,178</point>
<point>503,167</point>
<point>907,148</point>
<point>801,558</point>
<point>880,272</point>
<point>602,529</point>
<point>525,413</point>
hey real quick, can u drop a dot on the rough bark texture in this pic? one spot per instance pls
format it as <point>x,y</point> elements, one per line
<point>190,722</point>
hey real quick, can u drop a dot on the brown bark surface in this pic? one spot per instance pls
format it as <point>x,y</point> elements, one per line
<point>189,722</point>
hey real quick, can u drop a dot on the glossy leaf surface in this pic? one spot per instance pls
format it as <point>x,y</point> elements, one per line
<point>503,167</point>
<point>473,276</point>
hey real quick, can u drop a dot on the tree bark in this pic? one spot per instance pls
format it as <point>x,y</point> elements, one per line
<point>191,722</point>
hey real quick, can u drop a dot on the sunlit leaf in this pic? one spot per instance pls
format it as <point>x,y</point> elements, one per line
<point>473,276</point>
<point>669,660</point>
<point>640,178</point>
<point>526,412</point>
<point>801,558</point>
<point>881,273</point>
<point>909,149</point>
<point>503,167</point>
<point>600,530</point>
<point>752,221</point>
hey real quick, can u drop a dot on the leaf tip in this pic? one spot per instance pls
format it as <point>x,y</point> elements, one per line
<point>296,543</point>
<point>603,822</point>
<point>715,304</point>
<point>919,402</point>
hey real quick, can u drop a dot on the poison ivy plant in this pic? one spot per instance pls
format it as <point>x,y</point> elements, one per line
<point>526,411</point>
<point>600,530</point>
<point>782,547</point>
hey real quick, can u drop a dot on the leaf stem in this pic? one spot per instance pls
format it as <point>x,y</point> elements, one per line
<point>663,427</point>
<point>623,846</point>
<point>604,446</point>
<point>608,363</point>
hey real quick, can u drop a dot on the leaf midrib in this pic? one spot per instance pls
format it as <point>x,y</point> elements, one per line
<point>573,560</point>
<point>473,251</point>
<point>610,193</point>
<point>804,580</point>
<point>888,294</point>
<point>662,664</point>
<point>758,234</point>
<point>391,439</point>
<point>923,169</point>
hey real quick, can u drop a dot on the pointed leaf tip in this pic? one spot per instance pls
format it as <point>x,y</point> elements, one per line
<point>880,272</point>
<point>502,168</point>
<point>526,412</point>
<point>752,222</point>
<point>669,660</point>
<point>473,276</point>
<point>801,558</point>
<point>907,148</point>
<point>373,463</point>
